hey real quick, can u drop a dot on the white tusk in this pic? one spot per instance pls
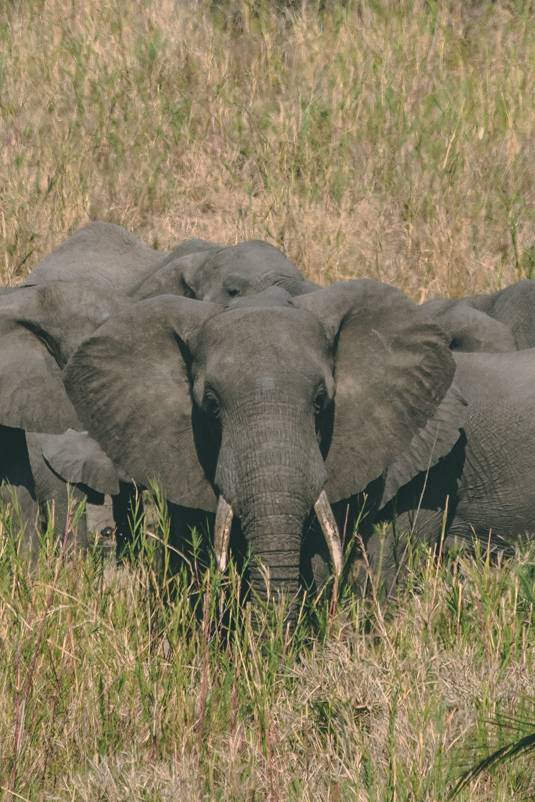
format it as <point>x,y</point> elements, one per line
<point>223,524</point>
<point>325,516</point>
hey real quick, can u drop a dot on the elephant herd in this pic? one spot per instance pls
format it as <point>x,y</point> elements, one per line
<point>289,411</point>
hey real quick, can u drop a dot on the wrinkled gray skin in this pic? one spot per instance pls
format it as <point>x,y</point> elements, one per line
<point>469,329</point>
<point>513,306</point>
<point>483,486</point>
<point>42,499</point>
<point>101,253</point>
<point>107,255</point>
<point>17,486</point>
<point>30,486</point>
<point>221,274</point>
<point>110,257</point>
<point>40,328</point>
<point>348,389</point>
<point>496,322</point>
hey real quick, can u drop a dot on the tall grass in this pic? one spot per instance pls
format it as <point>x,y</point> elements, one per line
<point>373,137</point>
<point>108,692</point>
<point>391,139</point>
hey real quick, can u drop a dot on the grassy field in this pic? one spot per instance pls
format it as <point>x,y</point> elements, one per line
<point>393,139</point>
<point>389,139</point>
<point>109,693</point>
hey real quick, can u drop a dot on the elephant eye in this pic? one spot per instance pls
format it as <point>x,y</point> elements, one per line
<point>233,292</point>
<point>320,400</point>
<point>189,292</point>
<point>211,403</point>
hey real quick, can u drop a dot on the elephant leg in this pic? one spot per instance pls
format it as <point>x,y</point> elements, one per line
<point>24,514</point>
<point>62,514</point>
<point>59,503</point>
<point>384,566</point>
<point>189,538</point>
<point>18,486</point>
<point>60,510</point>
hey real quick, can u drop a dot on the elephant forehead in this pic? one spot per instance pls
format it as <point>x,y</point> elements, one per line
<point>255,257</point>
<point>252,335</point>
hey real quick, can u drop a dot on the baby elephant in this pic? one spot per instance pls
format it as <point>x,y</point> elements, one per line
<point>223,274</point>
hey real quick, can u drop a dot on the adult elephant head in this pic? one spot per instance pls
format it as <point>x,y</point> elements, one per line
<point>222,274</point>
<point>267,412</point>
<point>108,256</point>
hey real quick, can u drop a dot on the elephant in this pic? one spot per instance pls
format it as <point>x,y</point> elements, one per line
<point>470,329</point>
<point>102,253</point>
<point>222,274</point>
<point>499,321</point>
<point>266,411</point>
<point>515,307</point>
<point>107,255</point>
<point>19,487</point>
<point>111,257</point>
<point>40,328</point>
<point>42,498</point>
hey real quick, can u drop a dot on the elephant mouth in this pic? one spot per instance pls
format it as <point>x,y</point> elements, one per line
<point>324,514</point>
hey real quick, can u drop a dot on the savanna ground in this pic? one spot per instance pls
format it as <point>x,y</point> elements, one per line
<point>389,139</point>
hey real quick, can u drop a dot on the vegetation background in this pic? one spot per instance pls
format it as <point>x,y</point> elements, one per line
<point>388,138</point>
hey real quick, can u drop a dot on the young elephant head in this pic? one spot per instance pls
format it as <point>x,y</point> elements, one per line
<point>220,274</point>
<point>470,329</point>
<point>512,307</point>
<point>267,407</point>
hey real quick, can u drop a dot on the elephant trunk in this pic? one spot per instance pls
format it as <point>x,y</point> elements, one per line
<point>275,542</point>
<point>283,573</point>
<point>274,534</point>
<point>270,475</point>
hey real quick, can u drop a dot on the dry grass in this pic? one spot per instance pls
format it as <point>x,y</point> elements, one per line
<point>393,139</point>
<point>109,694</point>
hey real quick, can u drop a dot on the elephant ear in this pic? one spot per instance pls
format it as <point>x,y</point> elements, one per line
<point>40,327</point>
<point>78,459</point>
<point>392,369</point>
<point>32,395</point>
<point>59,313</point>
<point>428,445</point>
<point>130,386</point>
<point>175,277</point>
